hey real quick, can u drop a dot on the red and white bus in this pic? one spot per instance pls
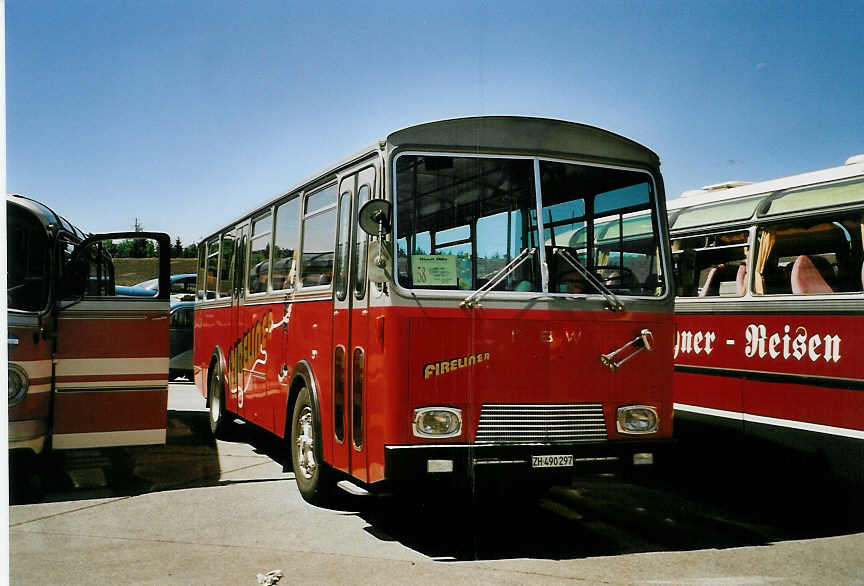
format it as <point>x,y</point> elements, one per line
<point>87,368</point>
<point>768,314</point>
<point>463,296</point>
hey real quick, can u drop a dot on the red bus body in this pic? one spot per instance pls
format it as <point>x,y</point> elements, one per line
<point>518,367</point>
<point>87,368</point>
<point>768,316</point>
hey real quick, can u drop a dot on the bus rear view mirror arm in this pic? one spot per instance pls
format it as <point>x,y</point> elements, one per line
<point>644,341</point>
<point>379,261</point>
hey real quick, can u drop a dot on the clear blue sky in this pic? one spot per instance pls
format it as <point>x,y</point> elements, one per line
<point>186,113</point>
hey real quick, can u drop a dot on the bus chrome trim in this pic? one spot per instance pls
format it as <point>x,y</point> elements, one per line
<point>780,377</point>
<point>772,421</point>
<point>541,423</point>
<point>22,319</point>
<point>98,439</point>
<point>798,304</point>
<point>158,385</point>
<point>115,306</point>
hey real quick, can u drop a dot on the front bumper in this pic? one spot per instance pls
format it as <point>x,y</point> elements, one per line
<point>27,435</point>
<point>411,464</point>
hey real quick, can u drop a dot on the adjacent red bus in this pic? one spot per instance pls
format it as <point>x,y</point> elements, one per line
<point>87,368</point>
<point>768,315</point>
<point>463,296</point>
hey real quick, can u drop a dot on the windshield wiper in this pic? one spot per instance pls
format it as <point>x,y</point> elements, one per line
<point>611,299</point>
<point>473,300</point>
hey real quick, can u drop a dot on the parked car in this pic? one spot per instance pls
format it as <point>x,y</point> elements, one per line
<point>181,322</point>
<point>181,286</point>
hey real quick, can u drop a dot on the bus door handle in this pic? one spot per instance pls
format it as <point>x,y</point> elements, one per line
<point>644,341</point>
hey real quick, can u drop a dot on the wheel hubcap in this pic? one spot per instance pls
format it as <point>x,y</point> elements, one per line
<point>305,441</point>
<point>215,405</point>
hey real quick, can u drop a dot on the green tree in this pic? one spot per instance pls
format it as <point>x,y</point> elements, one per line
<point>177,250</point>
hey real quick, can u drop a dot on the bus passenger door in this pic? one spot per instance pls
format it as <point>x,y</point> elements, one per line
<point>350,324</point>
<point>238,289</point>
<point>110,383</point>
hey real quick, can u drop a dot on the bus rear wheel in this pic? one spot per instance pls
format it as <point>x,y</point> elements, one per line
<point>219,422</point>
<point>310,471</point>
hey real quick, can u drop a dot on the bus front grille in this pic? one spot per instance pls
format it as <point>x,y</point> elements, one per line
<point>575,422</point>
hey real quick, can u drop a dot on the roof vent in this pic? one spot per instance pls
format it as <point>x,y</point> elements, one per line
<point>855,159</point>
<point>725,185</point>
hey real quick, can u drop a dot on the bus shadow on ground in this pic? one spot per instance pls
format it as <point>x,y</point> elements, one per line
<point>678,509</point>
<point>188,459</point>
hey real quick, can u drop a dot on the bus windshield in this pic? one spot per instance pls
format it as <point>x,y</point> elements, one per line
<point>462,219</point>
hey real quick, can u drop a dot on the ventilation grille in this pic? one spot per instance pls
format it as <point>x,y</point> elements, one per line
<point>576,422</point>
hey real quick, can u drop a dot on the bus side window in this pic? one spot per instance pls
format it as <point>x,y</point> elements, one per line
<point>225,258</point>
<point>259,255</point>
<point>285,244</point>
<point>202,270</point>
<point>319,237</point>
<point>212,268</point>
<point>712,265</point>
<point>810,257</point>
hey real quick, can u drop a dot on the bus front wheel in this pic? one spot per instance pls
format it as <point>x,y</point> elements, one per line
<point>309,468</point>
<point>219,422</point>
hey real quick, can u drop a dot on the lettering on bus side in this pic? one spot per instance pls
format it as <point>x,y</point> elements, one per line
<point>788,345</point>
<point>687,342</point>
<point>246,350</point>
<point>454,364</point>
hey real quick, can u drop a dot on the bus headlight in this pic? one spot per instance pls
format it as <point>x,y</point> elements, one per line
<point>18,384</point>
<point>637,419</point>
<point>437,422</point>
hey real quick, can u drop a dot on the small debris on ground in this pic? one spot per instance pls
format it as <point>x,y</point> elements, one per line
<point>270,578</point>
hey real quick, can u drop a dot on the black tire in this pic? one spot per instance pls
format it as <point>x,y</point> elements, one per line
<point>310,472</point>
<point>220,423</point>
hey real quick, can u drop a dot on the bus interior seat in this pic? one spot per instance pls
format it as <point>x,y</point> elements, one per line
<point>811,275</point>
<point>719,281</point>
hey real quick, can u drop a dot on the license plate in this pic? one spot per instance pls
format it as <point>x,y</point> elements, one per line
<point>552,461</point>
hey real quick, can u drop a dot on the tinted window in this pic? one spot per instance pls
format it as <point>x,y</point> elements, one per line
<point>259,255</point>
<point>287,234</point>
<point>212,267</point>
<point>226,257</point>
<point>342,245</point>
<point>27,262</point>
<point>360,248</point>
<point>319,233</point>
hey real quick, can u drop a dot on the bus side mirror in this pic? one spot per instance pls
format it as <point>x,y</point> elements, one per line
<point>374,217</point>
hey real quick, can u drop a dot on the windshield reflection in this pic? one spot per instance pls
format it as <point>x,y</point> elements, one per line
<point>462,219</point>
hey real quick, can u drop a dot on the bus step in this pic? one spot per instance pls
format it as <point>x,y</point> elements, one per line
<point>352,488</point>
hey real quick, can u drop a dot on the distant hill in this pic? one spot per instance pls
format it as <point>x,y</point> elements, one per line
<point>129,271</point>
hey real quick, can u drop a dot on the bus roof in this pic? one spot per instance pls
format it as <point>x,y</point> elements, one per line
<point>716,194</point>
<point>513,134</point>
<point>497,134</point>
